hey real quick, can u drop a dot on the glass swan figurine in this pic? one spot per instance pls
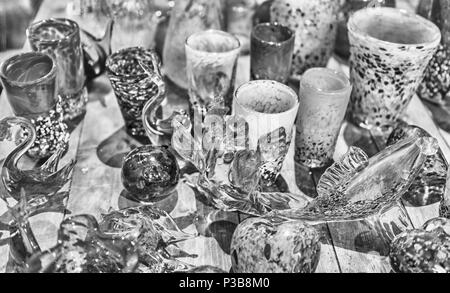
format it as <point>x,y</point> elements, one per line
<point>45,180</point>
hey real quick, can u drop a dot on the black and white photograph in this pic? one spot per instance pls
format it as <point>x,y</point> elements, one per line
<point>212,144</point>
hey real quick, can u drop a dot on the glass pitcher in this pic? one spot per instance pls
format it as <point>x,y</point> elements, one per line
<point>187,18</point>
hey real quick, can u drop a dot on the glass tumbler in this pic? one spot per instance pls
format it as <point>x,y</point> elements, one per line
<point>315,27</point>
<point>272,46</point>
<point>30,84</point>
<point>134,86</point>
<point>239,19</point>
<point>270,109</point>
<point>212,57</point>
<point>61,39</point>
<point>389,52</point>
<point>324,97</point>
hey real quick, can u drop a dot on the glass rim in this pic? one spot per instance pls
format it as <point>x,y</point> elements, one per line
<point>347,85</point>
<point>120,52</point>
<point>356,30</point>
<point>218,32</point>
<point>273,24</point>
<point>75,28</point>
<point>279,85</point>
<point>7,62</point>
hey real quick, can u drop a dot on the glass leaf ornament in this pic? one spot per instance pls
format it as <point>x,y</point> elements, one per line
<point>155,234</point>
<point>83,248</point>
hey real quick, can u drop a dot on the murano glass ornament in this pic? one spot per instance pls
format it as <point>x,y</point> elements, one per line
<point>45,180</point>
<point>156,236</point>
<point>430,185</point>
<point>425,250</point>
<point>229,170</point>
<point>150,173</point>
<point>83,248</point>
<point>357,188</point>
<point>187,18</point>
<point>260,245</point>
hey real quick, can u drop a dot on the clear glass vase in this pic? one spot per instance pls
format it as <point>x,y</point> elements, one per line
<point>187,18</point>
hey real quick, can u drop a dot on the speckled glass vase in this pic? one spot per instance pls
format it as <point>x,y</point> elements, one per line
<point>347,8</point>
<point>61,39</point>
<point>30,83</point>
<point>324,96</point>
<point>390,50</point>
<point>187,18</point>
<point>435,87</point>
<point>315,26</point>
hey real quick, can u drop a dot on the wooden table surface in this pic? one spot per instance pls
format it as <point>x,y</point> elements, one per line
<point>96,188</point>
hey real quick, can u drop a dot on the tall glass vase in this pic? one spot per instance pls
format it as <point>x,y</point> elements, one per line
<point>187,18</point>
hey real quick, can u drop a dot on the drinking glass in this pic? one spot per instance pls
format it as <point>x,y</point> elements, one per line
<point>270,109</point>
<point>30,83</point>
<point>134,86</point>
<point>186,18</point>
<point>212,57</point>
<point>324,97</point>
<point>389,52</point>
<point>272,46</point>
<point>315,26</point>
<point>61,39</point>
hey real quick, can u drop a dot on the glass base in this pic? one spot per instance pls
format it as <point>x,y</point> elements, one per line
<point>74,105</point>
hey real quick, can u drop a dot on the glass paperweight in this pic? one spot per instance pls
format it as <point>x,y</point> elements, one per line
<point>43,181</point>
<point>150,173</point>
<point>429,186</point>
<point>156,236</point>
<point>425,250</point>
<point>262,246</point>
<point>357,188</point>
<point>83,248</point>
<point>229,175</point>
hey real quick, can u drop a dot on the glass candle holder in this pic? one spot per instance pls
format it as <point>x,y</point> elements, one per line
<point>390,50</point>
<point>315,26</point>
<point>61,39</point>
<point>30,84</point>
<point>272,46</point>
<point>212,57</point>
<point>134,86</point>
<point>324,96</point>
<point>270,109</point>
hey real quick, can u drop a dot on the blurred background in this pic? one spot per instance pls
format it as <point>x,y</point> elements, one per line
<point>15,16</point>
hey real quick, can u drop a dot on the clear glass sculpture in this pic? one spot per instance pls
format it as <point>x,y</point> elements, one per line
<point>83,248</point>
<point>43,181</point>
<point>156,236</point>
<point>187,18</point>
<point>357,188</point>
